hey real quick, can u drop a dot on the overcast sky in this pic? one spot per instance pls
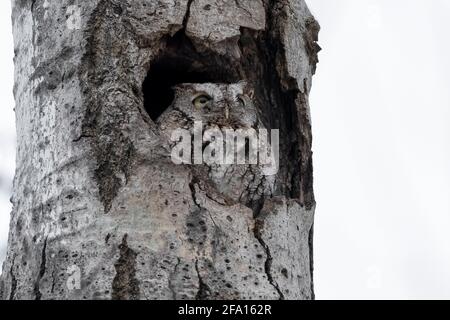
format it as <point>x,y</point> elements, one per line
<point>7,119</point>
<point>381,109</point>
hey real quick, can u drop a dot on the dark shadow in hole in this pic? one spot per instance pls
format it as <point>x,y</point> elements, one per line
<point>181,63</point>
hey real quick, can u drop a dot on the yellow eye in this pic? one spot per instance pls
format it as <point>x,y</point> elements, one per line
<point>201,101</point>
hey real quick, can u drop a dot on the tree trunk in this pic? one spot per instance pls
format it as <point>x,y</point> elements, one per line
<point>99,211</point>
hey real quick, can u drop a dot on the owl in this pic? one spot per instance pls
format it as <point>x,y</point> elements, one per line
<point>222,107</point>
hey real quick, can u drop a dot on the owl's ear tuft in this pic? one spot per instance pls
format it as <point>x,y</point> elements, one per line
<point>177,89</point>
<point>182,88</point>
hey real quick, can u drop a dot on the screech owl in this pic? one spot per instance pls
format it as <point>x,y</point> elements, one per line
<point>222,107</point>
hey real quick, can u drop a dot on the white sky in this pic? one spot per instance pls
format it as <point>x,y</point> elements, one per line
<point>381,111</point>
<point>7,120</point>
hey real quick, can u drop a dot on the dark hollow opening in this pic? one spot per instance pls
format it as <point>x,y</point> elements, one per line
<point>181,63</point>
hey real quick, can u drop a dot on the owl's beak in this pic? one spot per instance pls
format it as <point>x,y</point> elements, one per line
<point>227,112</point>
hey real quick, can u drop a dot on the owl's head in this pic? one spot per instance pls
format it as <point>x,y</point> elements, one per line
<point>225,105</point>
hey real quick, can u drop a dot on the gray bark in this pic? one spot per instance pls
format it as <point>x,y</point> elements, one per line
<point>94,194</point>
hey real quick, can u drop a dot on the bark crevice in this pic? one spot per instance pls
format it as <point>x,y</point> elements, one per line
<point>105,118</point>
<point>42,270</point>
<point>203,290</point>
<point>192,186</point>
<point>171,279</point>
<point>13,280</point>
<point>125,285</point>
<point>259,226</point>
<point>187,15</point>
<point>311,260</point>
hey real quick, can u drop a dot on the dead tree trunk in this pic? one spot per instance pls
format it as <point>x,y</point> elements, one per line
<point>99,212</point>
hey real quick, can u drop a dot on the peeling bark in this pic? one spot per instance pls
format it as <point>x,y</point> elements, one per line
<point>99,209</point>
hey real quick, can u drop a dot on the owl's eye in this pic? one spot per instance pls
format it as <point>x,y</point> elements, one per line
<point>201,101</point>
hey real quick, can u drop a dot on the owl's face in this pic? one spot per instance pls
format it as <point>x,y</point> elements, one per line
<point>223,105</point>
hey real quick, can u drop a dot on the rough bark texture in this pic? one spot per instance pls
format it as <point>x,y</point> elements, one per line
<point>95,190</point>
